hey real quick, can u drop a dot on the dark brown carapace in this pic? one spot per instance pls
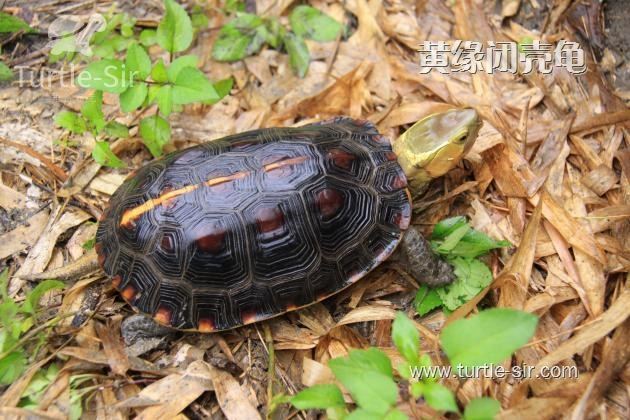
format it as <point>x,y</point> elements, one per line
<point>253,225</point>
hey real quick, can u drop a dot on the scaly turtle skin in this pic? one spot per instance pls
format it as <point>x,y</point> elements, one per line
<point>250,226</point>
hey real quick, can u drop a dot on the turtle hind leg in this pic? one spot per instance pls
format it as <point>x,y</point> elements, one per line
<point>419,260</point>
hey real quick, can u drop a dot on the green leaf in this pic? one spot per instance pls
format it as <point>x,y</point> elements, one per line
<point>104,51</point>
<point>483,408</point>
<point>92,111</point>
<point>158,73</point>
<point>246,21</point>
<point>439,397</point>
<point>299,56</point>
<point>148,37</point>
<point>66,44</point>
<point>164,99</point>
<point>107,75</point>
<point>198,18</point>
<point>120,43</point>
<point>127,25</point>
<point>89,244</point>
<point>156,132</point>
<point>71,121</point>
<point>4,285</point>
<point>116,129</point>
<point>8,312</point>
<point>32,298</point>
<point>447,226</point>
<point>406,338</point>
<point>362,414</point>
<point>395,414</point>
<point>223,87</point>
<point>38,384</point>
<point>11,367</point>
<point>133,97</point>
<point>416,389</point>
<point>476,243</point>
<point>273,32</point>
<point>10,23</point>
<point>471,277</point>
<point>426,300</point>
<point>103,155</point>
<point>178,64</point>
<point>318,397</point>
<point>231,44</point>
<point>5,72</point>
<point>308,22</point>
<point>193,86</point>
<point>454,237</point>
<point>232,6</point>
<point>174,33</point>
<point>367,375</point>
<point>138,63</point>
<point>488,337</point>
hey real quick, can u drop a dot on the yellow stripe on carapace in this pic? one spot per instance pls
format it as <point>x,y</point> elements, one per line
<point>286,162</point>
<point>223,179</point>
<point>133,214</point>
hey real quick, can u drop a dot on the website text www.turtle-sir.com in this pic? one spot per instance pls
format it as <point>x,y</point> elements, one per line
<point>495,371</point>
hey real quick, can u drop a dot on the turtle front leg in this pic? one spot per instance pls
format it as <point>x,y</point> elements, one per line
<point>419,260</point>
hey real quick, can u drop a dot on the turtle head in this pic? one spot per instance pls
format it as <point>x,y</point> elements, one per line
<point>435,144</point>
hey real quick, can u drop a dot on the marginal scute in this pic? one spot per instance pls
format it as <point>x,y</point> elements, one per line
<point>163,315</point>
<point>205,325</point>
<point>128,293</point>
<point>247,227</point>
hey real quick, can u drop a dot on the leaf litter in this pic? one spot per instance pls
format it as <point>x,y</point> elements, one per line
<point>548,174</point>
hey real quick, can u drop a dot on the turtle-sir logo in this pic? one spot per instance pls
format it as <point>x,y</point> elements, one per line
<point>73,34</point>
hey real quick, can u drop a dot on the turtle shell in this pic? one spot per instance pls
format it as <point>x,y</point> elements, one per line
<point>252,225</point>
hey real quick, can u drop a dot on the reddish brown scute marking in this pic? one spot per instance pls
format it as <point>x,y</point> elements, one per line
<point>163,315</point>
<point>329,201</point>
<point>116,280</point>
<point>399,182</point>
<point>128,293</point>
<point>205,325</point>
<point>391,156</point>
<point>341,158</point>
<point>403,218</point>
<point>167,243</point>
<point>269,219</point>
<point>101,256</point>
<point>249,317</point>
<point>211,238</point>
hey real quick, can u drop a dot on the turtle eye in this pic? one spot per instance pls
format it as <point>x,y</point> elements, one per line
<point>461,139</point>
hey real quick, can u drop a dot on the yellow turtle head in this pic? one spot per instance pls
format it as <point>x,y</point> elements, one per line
<point>435,144</point>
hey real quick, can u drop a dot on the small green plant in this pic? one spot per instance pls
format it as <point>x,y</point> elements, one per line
<point>16,323</point>
<point>140,81</point>
<point>486,338</point>
<point>247,33</point>
<point>457,242</point>
<point>10,24</point>
<point>373,383</point>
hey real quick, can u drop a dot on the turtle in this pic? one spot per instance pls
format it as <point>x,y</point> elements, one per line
<point>253,225</point>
